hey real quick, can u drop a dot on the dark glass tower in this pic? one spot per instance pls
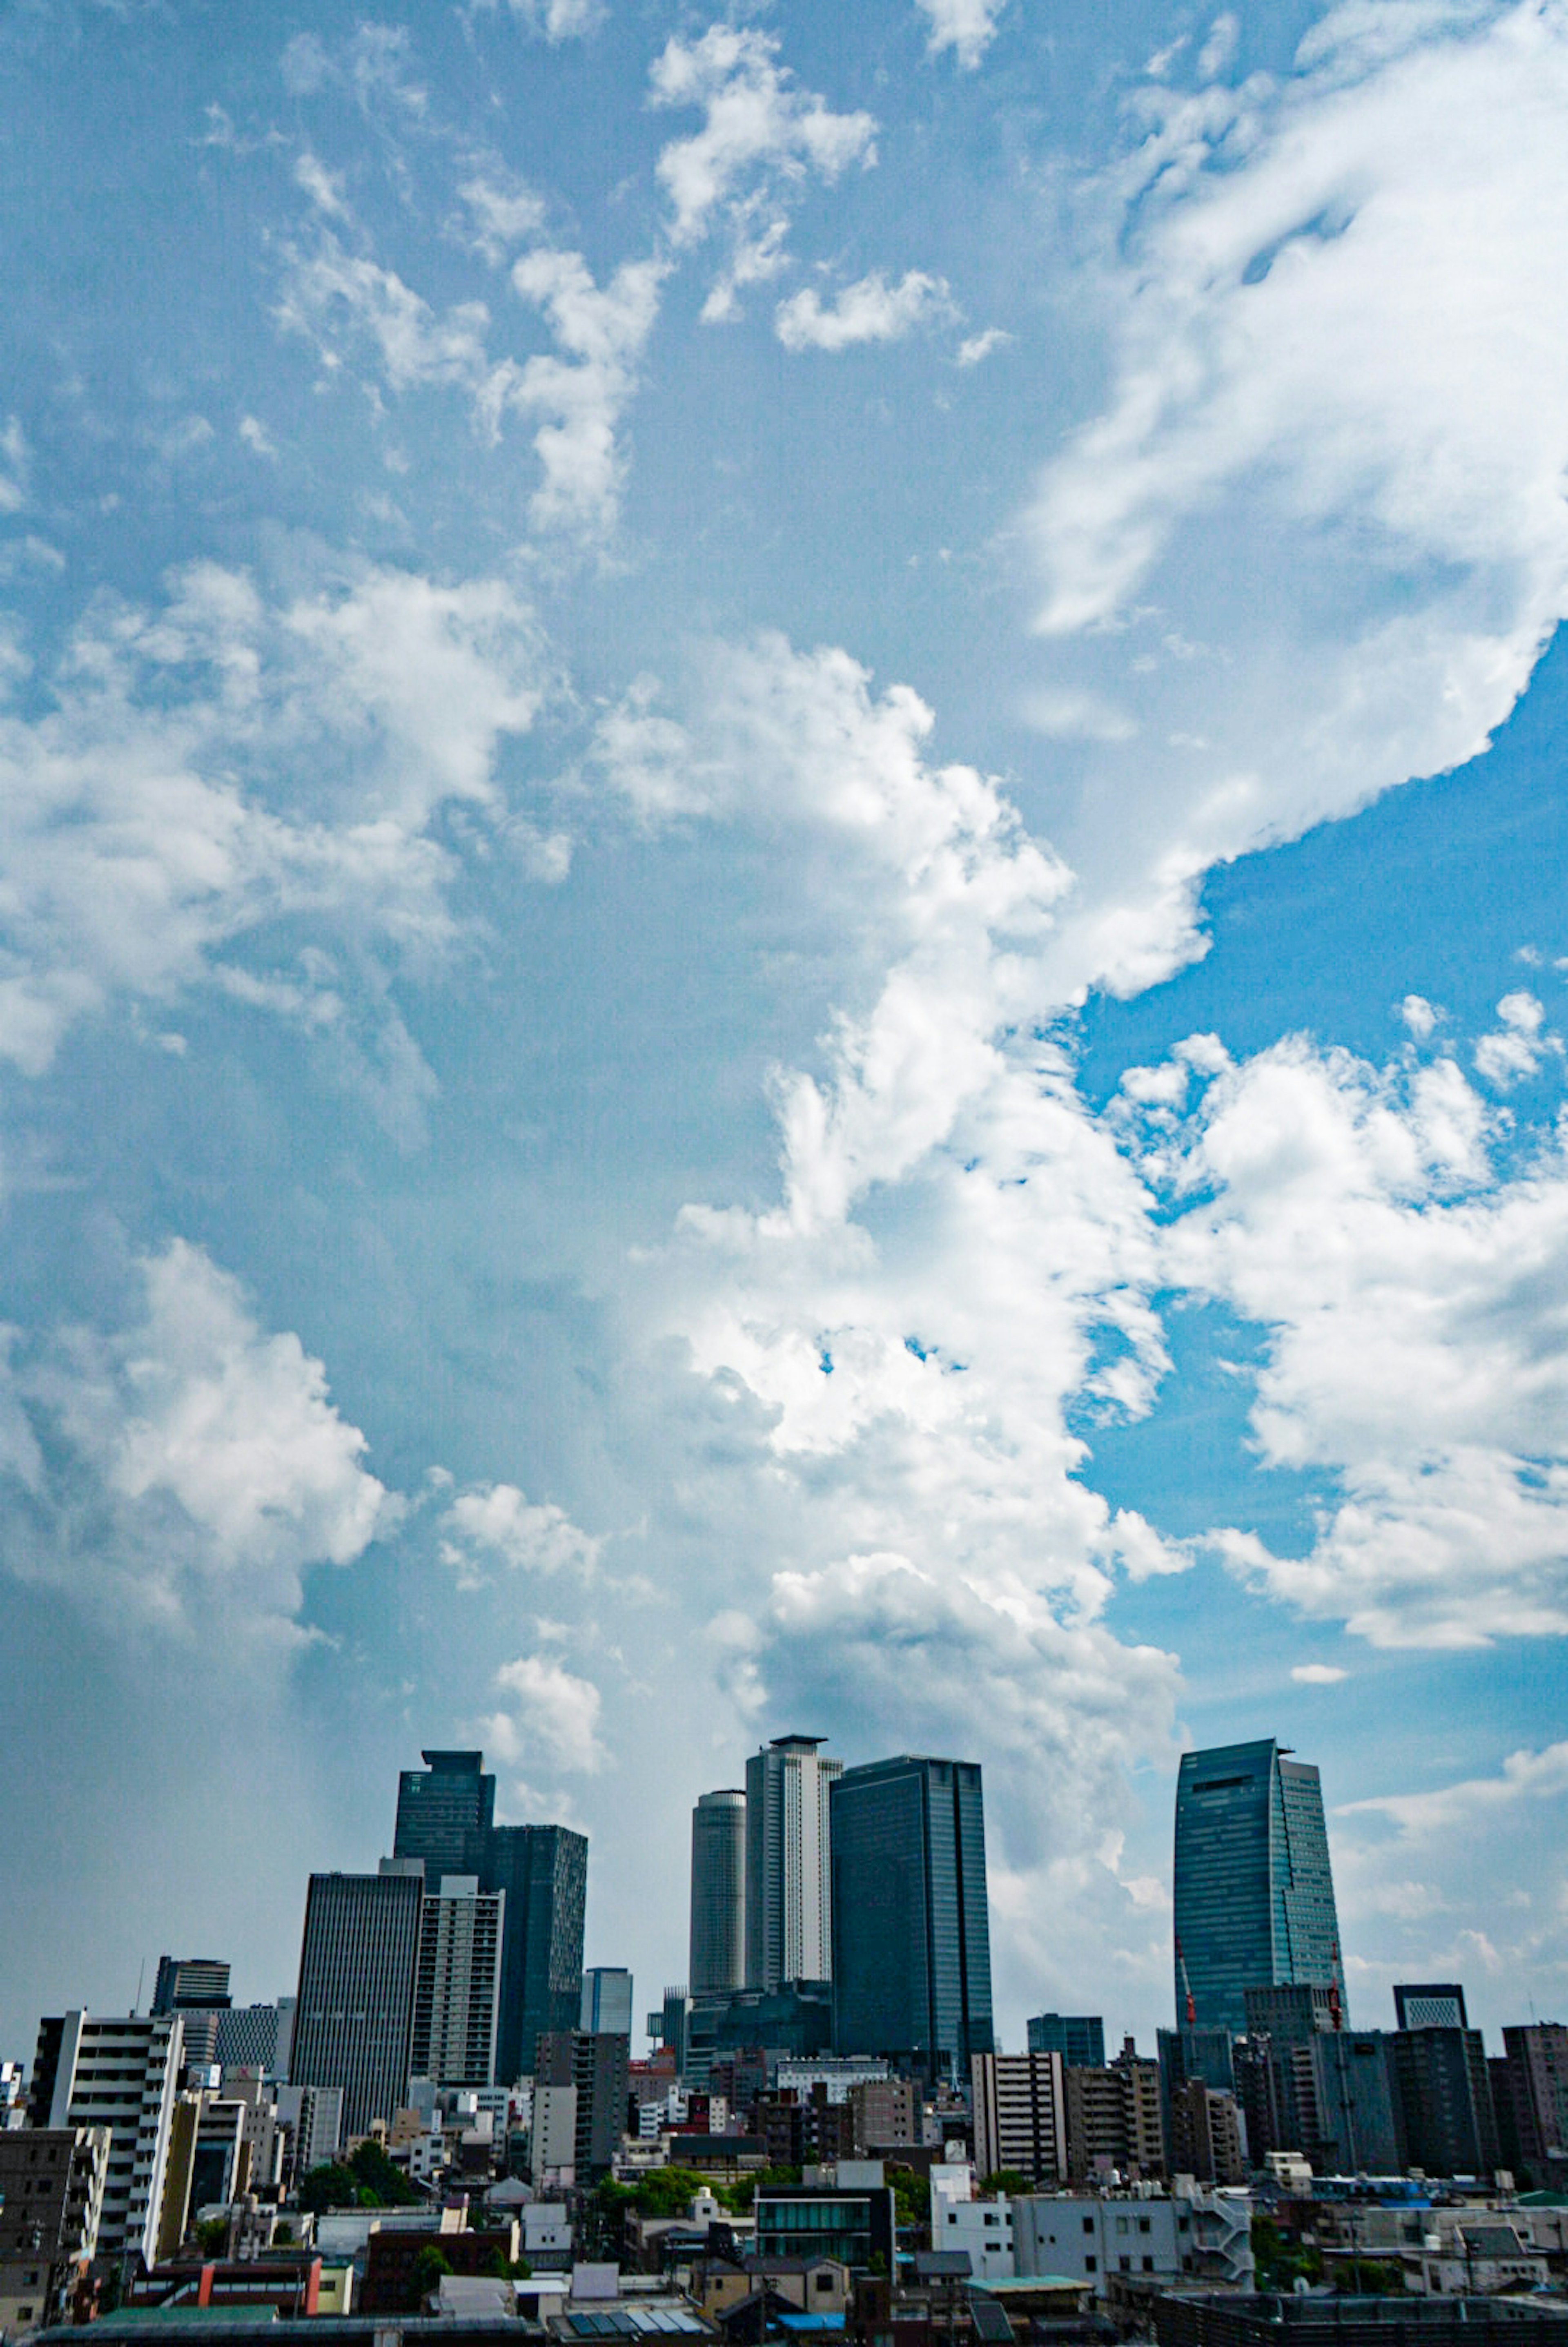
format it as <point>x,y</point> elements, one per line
<point>1253,1892</point>
<point>355,2009</point>
<point>544,1872</point>
<point>912,1938</point>
<point>439,1807</point>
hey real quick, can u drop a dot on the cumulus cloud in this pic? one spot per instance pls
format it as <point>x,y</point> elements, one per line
<point>332,296</point>
<point>762,140</point>
<point>870,311</point>
<point>185,1469</point>
<point>1453,1808</point>
<point>1318,1674</point>
<point>556,20</point>
<point>581,397</point>
<point>1414,1293</point>
<point>977,347</point>
<point>1517,1046</point>
<point>1336,320</point>
<point>496,1519</point>
<point>153,812</point>
<point>552,1716</point>
<point>967,27</point>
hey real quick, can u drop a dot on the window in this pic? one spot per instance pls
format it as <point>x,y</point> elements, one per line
<point>1148,2265</point>
<point>1121,2224</point>
<point>1125,2264</point>
<point>1143,2224</point>
<point>1088,2224</point>
<point>1091,2265</point>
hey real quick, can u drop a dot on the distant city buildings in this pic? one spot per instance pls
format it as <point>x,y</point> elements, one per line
<point>788,1885</point>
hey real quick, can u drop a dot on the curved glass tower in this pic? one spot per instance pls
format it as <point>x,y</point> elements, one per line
<point>1254,1896</point>
<point>719,1892</point>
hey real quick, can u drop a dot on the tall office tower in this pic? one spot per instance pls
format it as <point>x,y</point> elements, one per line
<point>912,1933</point>
<point>1534,2077</point>
<point>606,2007</point>
<point>440,1807</point>
<point>456,1991</point>
<point>719,1892</point>
<point>789,1883</point>
<point>1078,2037</point>
<point>354,2015</point>
<point>544,1872</point>
<point>1254,1894</point>
<point>1443,2101</point>
<point>122,2073</point>
<point>1019,2104</point>
<point>1429,2004</point>
<point>191,1984</point>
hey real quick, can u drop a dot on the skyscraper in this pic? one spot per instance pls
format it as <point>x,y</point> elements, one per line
<point>440,1808</point>
<point>912,1936</point>
<point>1253,1892</point>
<point>191,1983</point>
<point>606,2007</point>
<point>354,2016</point>
<point>456,1997</point>
<point>788,1886</point>
<point>719,1893</point>
<point>1078,2037</point>
<point>544,1872</point>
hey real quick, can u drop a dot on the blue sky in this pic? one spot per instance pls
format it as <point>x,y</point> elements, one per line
<point>782,947</point>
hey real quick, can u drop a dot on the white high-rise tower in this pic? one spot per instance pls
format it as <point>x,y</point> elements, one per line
<point>789,1873</point>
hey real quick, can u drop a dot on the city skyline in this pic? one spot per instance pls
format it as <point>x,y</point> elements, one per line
<point>781,946</point>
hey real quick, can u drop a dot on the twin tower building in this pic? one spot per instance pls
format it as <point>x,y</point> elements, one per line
<point>872,1879</point>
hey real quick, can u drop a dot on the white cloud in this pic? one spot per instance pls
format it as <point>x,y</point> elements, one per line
<point>503,213</point>
<point>331,292</point>
<point>1517,1047</point>
<point>1338,323</point>
<point>258,439</point>
<point>556,20</point>
<point>497,1520</point>
<point>967,27</point>
<point>1454,1809</point>
<point>324,188</point>
<point>1419,1016</point>
<point>14,463</point>
<point>155,812</point>
<point>1077,717</point>
<point>870,311</point>
<point>197,1467</point>
<point>1318,1674</point>
<point>581,397</point>
<point>1415,1304</point>
<point>554,1714</point>
<point>976,347</point>
<point>762,140</point>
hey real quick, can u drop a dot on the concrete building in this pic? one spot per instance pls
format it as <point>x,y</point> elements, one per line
<point>1078,2037</point>
<point>358,1960</point>
<point>851,2219</point>
<point>1020,2105</point>
<point>596,2065</point>
<point>884,2114</point>
<point>1208,2140</point>
<point>1113,2118</point>
<point>1103,2238</point>
<point>719,1892</point>
<point>1429,2004</point>
<point>1253,1890</point>
<point>606,2004</point>
<point>191,1984</point>
<point>789,1879</point>
<point>312,2117</point>
<point>1533,2081</point>
<point>552,2136</point>
<point>911,1935</point>
<point>457,1983</point>
<point>1316,2087</point>
<point>122,2073</point>
<point>1442,2094</point>
<point>52,2183</point>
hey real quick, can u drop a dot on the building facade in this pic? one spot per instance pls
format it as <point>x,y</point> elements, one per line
<point>719,1892</point>
<point>1254,1894</point>
<point>606,2006</point>
<point>441,1808</point>
<point>122,2073</point>
<point>1078,2037</point>
<point>354,2012</point>
<point>52,2184</point>
<point>457,1985</point>
<point>1020,2105</point>
<point>544,1872</point>
<point>190,1982</point>
<point>911,1935</point>
<point>1443,2101</point>
<point>789,1881</point>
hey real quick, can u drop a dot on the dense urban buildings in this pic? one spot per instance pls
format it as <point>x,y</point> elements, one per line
<point>717,1949</point>
<point>911,1934</point>
<point>1253,1892</point>
<point>788,1888</point>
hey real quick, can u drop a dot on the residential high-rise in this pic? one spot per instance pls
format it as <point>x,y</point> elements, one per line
<point>186,1983</point>
<point>1534,2082</point>
<point>1019,2106</point>
<point>789,1883</point>
<point>121,2072</point>
<point>354,2015</point>
<point>1443,2101</point>
<point>440,1808</point>
<point>51,2204</point>
<point>456,1996</point>
<point>595,2063</point>
<point>1078,2037</point>
<point>911,1934</point>
<point>1114,2119</point>
<point>1253,1895</point>
<point>544,1872</point>
<point>606,2006</point>
<point>719,1892</point>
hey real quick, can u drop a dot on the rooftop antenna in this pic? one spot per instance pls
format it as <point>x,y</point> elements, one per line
<point>140,1977</point>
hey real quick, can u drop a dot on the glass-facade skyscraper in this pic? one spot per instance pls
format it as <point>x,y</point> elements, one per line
<point>1253,1895</point>
<point>718,1958</point>
<point>911,1939</point>
<point>440,1807</point>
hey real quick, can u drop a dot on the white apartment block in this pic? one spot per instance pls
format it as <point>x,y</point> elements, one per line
<point>1098,2239</point>
<point>121,2073</point>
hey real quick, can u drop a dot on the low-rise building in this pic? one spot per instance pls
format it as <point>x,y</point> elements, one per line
<point>52,2184</point>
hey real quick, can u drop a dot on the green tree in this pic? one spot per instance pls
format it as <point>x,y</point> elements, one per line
<point>1278,2263</point>
<point>330,2187</point>
<point>212,2238</point>
<point>378,2174</point>
<point>911,2198</point>
<point>1007,2180</point>
<point>424,2275</point>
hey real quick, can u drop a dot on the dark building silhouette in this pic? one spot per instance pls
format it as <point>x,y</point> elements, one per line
<point>440,1808</point>
<point>544,1872</point>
